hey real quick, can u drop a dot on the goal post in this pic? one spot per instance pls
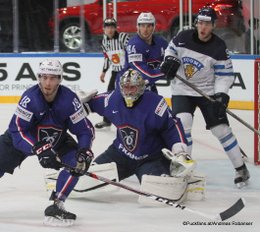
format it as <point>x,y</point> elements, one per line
<point>256,111</point>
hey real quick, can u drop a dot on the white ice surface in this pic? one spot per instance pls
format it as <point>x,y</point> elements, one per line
<point>23,197</point>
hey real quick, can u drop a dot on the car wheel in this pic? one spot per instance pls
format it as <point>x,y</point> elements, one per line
<point>70,37</point>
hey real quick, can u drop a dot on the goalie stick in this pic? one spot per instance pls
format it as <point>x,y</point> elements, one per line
<point>212,100</point>
<point>226,214</point>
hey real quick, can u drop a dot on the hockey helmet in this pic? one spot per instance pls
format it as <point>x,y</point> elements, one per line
<point>146,17</point>
<point>132,86</point>
<point>109,22</point>
<point>206,13</point>
<point>52,67</point>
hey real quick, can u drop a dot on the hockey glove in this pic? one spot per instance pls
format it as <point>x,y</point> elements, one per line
<point>181,163</point>
<point>46,155</point>
<point>220,104</point>
<point>170,66</point>
<point>84,157</point>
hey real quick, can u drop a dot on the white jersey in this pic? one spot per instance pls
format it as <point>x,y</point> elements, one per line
<point>207,65</point>
<point>114,51</point>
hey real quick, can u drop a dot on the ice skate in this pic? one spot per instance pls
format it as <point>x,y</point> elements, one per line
<point>103,124</point>
<point>241,178</point>
<point>56,215</point>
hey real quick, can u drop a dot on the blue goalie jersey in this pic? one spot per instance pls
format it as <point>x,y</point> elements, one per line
<point>142,130</point>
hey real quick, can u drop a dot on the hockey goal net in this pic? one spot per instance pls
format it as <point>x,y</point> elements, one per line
<point>257,112</point>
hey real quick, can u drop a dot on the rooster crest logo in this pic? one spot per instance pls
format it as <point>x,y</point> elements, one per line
<point>129,136</point>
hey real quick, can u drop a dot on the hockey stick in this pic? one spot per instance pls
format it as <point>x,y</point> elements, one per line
<point>244,156</point>
<point>87,189</point>
<point>228,213</point>
<point>231,211</point>
<point>212,100</point>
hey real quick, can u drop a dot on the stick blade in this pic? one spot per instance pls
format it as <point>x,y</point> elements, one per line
<point>232,210</point>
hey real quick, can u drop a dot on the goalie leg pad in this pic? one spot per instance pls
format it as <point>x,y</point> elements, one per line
<point>196,187</point>
<point>166,186</point>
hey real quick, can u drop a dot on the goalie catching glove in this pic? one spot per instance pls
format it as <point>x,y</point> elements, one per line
<point>46,155</point>
<point>181,163</point>
<point>84,157</point>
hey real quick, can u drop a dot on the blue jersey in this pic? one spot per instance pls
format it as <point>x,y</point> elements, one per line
<point>142,130</point>
<point>36,120</point>
<point>146,58</point>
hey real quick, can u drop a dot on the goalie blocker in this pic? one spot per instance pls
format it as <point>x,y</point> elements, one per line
<point>85,97</point>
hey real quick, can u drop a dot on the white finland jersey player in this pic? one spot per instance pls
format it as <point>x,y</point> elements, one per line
<point>207,65</point>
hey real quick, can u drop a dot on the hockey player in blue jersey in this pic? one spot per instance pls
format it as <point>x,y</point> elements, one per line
<point>39,127</point>
<point>145,51</point>
<point>202,58</point>
<point>144,125</point>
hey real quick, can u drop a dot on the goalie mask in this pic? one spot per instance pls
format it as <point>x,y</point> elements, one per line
<point>132,86</point>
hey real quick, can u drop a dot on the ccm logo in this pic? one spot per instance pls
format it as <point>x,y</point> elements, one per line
<point>43,148</point>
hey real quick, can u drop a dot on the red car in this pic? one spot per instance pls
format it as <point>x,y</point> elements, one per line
<point>166,13</point>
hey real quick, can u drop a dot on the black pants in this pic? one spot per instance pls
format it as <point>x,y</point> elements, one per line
<point>156,164</point>
<point>188,104</point>
<point>10,157</point>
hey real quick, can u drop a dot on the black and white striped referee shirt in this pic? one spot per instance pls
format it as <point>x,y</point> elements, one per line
<point>114,51</point>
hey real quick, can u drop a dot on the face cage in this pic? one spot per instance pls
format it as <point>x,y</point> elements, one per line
<point>131,98</point>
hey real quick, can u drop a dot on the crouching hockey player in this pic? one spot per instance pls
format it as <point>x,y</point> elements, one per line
<point>145,126</point>
<point>39,127</point>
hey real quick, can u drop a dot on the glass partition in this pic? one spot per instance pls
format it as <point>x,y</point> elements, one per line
<point>77,25</point>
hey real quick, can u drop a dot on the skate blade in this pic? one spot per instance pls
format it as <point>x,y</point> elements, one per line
<point>245,159</point>
<point>52,221</point>
<point>241,185</point>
